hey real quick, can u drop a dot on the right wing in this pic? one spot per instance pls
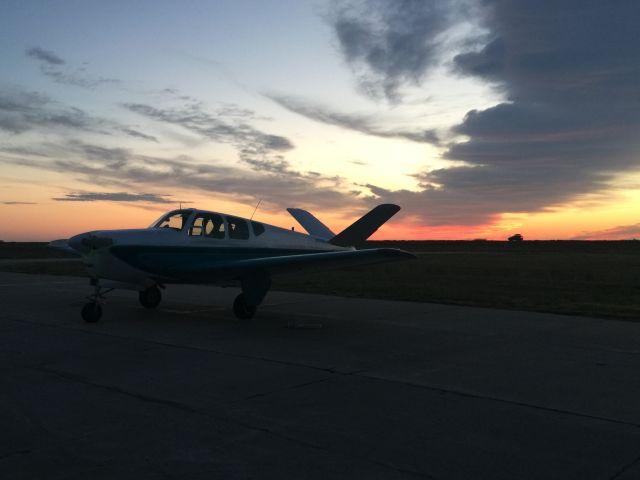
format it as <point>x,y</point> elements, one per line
<point>293,263</point>
<point>323,261</point>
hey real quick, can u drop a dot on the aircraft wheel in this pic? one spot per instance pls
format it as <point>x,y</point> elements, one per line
<point>91,312</point>
<point>150,298</point>
<point>241,309</point>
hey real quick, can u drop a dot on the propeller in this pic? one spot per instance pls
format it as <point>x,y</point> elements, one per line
<point>86,242</point>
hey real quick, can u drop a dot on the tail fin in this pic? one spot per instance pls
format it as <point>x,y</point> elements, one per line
<point>311,224</point>
<point>363,228</point>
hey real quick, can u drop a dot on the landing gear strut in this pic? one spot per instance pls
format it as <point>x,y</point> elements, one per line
<point>255,286</point>
<point>92,311</point>
<point>150,298</point>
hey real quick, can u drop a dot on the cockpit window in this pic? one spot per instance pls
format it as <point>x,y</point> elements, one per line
<point>238,228</point>
<point>175,220</point>
<point>196,227</point>
<point>214,226</point>
<point>208,225</point>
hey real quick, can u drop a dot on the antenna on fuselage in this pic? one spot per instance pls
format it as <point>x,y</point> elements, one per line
<point>254,210</point>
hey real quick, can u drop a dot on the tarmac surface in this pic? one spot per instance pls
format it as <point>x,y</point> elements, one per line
<point>382,390</point>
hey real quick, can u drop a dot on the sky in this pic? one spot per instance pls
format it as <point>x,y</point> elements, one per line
<point>480,118</point>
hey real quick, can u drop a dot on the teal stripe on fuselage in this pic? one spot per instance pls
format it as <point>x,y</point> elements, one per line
<point>178,261</point>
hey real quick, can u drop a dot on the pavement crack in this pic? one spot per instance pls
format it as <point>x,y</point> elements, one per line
<point>184,347</point>
<point>625,468</point>
<point>334,371</point>
<point>118,390</point>
<point>479,396</point>
<point>224,418</point>
<point>324,448</point>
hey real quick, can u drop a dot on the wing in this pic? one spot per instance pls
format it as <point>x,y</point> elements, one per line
<point>297,263</point>
<point>63,246</point>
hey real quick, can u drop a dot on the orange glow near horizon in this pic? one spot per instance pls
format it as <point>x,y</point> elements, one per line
<point>48,221</point>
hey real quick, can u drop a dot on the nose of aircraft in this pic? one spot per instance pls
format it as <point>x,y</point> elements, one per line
<point>78,243</point>
<point>85,242</point>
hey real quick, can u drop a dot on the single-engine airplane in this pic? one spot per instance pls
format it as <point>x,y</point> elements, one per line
<point>194,246</point>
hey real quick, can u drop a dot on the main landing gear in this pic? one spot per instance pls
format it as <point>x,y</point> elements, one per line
<point>242,310</point>
<point>254,288</point>
<point>150,298</point>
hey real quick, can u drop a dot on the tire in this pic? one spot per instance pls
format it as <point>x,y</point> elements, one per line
<point>150,298</point>
<point>91,312</point>
<point>242,310</point>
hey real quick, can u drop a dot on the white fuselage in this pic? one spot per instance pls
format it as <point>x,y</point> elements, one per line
<point>135,257</point>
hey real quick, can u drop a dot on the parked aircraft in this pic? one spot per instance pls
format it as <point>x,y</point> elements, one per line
<point>200,247</point>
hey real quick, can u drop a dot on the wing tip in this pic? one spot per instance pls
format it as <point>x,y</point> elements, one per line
<point>396,252</point>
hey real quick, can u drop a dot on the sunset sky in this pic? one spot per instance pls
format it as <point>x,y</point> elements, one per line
<point>481,118</point>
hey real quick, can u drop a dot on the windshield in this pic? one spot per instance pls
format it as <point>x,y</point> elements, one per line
<point>175,220</point>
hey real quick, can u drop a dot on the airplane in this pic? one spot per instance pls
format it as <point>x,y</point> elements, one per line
<point>192,246</point>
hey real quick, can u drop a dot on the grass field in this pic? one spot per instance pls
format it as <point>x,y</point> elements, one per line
<point>586,278</point>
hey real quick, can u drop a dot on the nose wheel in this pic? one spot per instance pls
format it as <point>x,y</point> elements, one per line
<point>92,310</point>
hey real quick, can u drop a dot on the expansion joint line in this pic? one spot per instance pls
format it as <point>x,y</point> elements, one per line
<point>626,468</point>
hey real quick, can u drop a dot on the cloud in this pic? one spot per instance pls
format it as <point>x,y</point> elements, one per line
<point>19,203</point>
<point>623,232</point>
<point>391,44</point>
<point>360,123</point>
<point>77,78</point>
<point>193,117</point>
<point>135,133</point>
<point>46,56</point>
<point>257,149</point>
<point>114,197</point>
<point>125,170</point>
<point>567,127</point>
<point>56,68</point>
<point>264,172</point>
<point>22,111</point>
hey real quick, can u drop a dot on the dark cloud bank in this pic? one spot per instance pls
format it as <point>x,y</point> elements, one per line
<point>391,43</point>
<point>569,71</point>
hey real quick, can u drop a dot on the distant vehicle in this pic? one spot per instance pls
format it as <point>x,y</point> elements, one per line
<point>515,238</point>
<point>200,247</point>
